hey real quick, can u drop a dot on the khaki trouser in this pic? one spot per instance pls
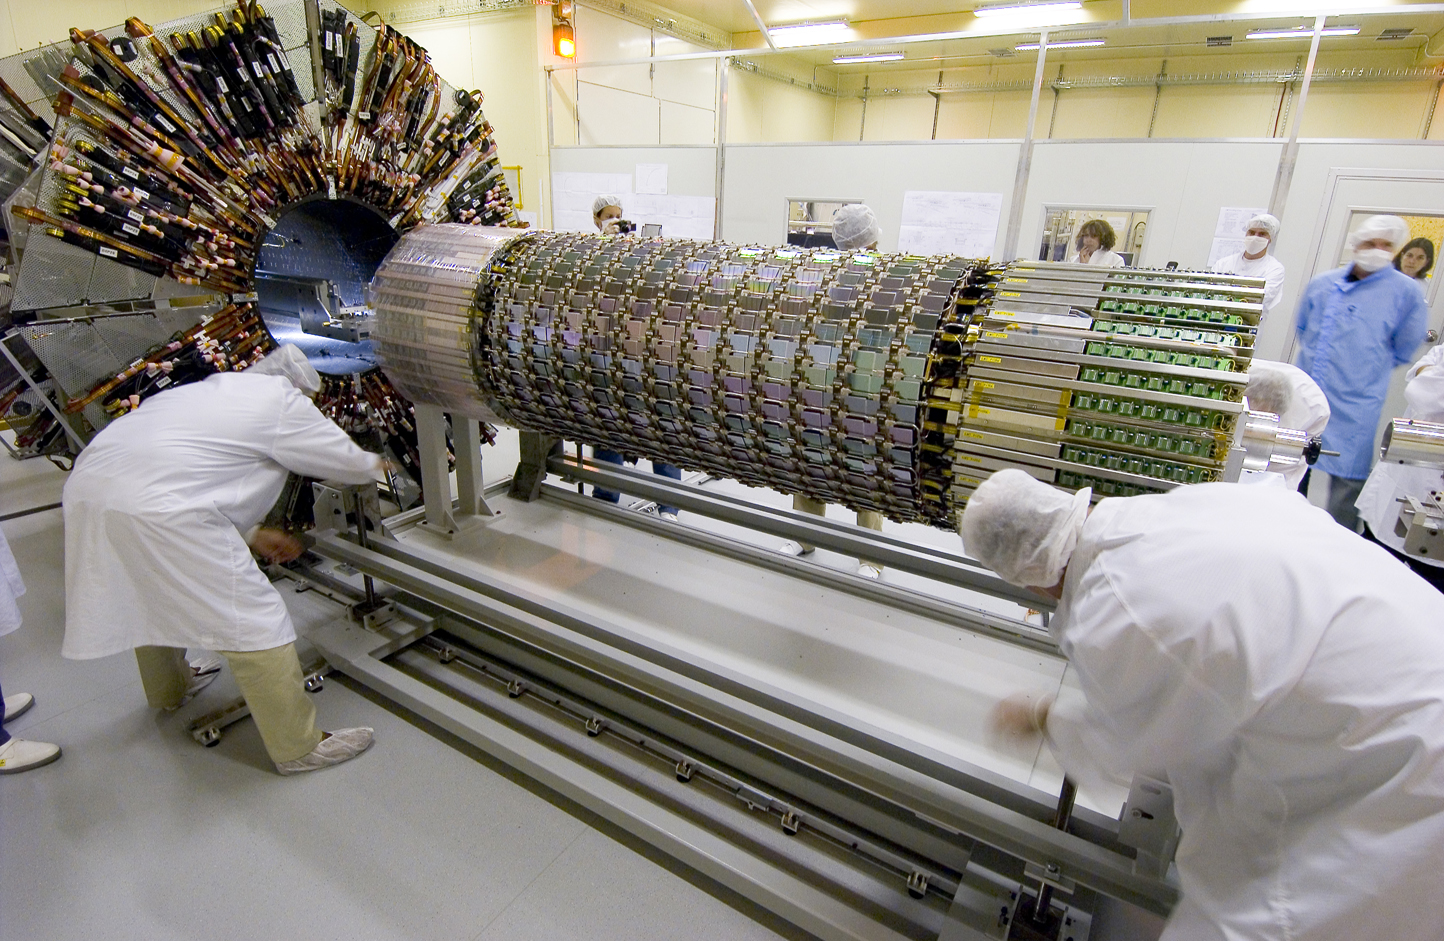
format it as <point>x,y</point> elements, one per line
<point>270,680</point>
<point>867,519</point>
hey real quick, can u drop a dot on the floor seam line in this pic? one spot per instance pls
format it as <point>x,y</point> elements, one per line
<point>522,891</point>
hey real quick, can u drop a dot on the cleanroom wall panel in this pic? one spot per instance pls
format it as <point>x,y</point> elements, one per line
<point>610,116</point>
<point>602,38</point>
<point>684,124</point>
<point>1384,110</point>
<point>898,119</point>
<point>1218,111</point>
<point>689,81</point>
<point>1101,112</point>
<point>965,116</point>
<point>764,109</point>
<point>761,178</point>
<point>1183,183</point>
<point>691,171</point>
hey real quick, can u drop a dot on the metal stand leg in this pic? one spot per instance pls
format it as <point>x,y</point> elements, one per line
<point>435,482</point>
<point>535,449</point>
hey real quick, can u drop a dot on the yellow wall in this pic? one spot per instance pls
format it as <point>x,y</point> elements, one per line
<point>762,109</point>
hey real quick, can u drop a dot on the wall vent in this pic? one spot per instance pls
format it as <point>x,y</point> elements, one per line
<point>1220,40</point>
<point>1397,32</point>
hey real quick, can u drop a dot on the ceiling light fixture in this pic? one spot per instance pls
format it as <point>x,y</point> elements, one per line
<point>1060,44</point>
<point>1302,32</point>
<point>872,57</point>
<point>1023,6</point>
<point>809,34</point>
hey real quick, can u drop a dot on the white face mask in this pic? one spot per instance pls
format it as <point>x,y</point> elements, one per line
<point>1255,244</point>
<point>1370,260</point>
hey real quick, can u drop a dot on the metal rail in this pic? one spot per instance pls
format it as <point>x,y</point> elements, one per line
<point>805,528</point>
<point>975,805</point>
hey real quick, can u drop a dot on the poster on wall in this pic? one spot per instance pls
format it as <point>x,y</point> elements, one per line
<point>573,194</point>
<point>1228,234</point>
<point>947,223</point>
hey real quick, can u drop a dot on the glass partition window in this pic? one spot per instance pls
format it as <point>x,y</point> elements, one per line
<point>1061,225</point>
<point>809,220</point>
<point>1418,257</point>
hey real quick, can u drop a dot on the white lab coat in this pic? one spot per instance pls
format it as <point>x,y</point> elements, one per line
<point>1103,258</point>
<point>1378,502</point>
<point>1308,409</point>
<point>1268,267</point>
<point>11,588</point>
<point>157,504</point>
<point>1288,679</point>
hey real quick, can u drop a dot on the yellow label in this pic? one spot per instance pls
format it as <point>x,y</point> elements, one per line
<point>982,385</point>
<point>989,359</point>
<point>1015,280</point>
<point>969,458</point>
<point>971,434</point>
<point>995,336</point>
<point>1009,294</point>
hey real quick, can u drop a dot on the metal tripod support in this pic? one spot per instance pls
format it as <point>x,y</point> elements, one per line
<point>469,503</point>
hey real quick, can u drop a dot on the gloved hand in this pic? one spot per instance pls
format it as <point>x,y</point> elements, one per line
<point>276,545</point>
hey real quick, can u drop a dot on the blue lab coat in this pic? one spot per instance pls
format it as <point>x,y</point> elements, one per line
<point>1351,336</point>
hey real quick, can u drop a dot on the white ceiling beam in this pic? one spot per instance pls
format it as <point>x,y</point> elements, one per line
<point>757,18</point>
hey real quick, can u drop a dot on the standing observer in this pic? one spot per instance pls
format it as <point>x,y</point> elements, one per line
<point>162,512</point>
<point>1284,676</point>
<point>1255,261</point>
<point>1355,325</point>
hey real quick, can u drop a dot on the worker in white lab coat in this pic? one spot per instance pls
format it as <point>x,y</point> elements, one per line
<point>1288,392</point>
<point>16,754</point>
<point>1378,502</point>
<point>1094,245</point>
<point>1284,675</point>
<point>854,229</point>
<point>1255,261</point>
<point>162,511</point>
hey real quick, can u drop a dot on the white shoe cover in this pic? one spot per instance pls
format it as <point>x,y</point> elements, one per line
<point>18,755</point>
<point>341,745</point>
<point>16,705</point>
<point>868,570</point>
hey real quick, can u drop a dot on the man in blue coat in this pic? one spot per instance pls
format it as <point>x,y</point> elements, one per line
<point>1356,324</point>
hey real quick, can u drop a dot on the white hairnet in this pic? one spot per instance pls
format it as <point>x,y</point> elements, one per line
<point>1269,391</point>
<point>1023,529</point>
<point>1268,223</point>
<point>602,202</point>
<point>1393,228</point>
<point>288,362</point>
<point>854,226</point>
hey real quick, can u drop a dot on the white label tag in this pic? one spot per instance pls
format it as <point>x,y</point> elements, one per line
<point>109,252</point>
<point>127,227</point>
<point>363,115</point>
<point>329,46</point>
<point>138,217</point>
<point>164,123</point>
<point>130,172</point>
<point>140,193</point>
<point>256,67</point>
<point>275,66</point>
<point>162,382</point>
<point>221,84</point>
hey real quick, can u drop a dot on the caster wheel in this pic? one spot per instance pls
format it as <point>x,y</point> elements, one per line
<point>315,683</point>
<point>210,738</point>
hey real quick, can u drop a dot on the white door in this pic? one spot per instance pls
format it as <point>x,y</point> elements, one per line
<point>1367,192</point>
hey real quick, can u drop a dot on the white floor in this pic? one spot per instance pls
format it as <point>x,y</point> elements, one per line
<point>139,833</point>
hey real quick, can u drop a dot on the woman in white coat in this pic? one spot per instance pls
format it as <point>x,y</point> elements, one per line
<point>161,513</point>
<point>1094,245</point>
<point>16,754</point>
<point>1378,502</point>
<point>1284,675</point>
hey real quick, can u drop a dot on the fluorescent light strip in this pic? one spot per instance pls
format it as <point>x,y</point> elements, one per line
<point>1060,44</point>
<point>873,57</point>
<point>808,34</point>
<point>1302,33</point>
<point>1052,6</point>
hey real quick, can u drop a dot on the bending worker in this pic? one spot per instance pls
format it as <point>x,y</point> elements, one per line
<point>1255,261</point>
<point>854,228</point>
<point>606,211</point>
<point>1284,676</point>
<point>1379,502</point>
<point>1288,392</point>
<point>161,514</point>
<point>1355,325</point>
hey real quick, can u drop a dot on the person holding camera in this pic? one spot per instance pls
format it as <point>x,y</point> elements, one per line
<point>607,216</point>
